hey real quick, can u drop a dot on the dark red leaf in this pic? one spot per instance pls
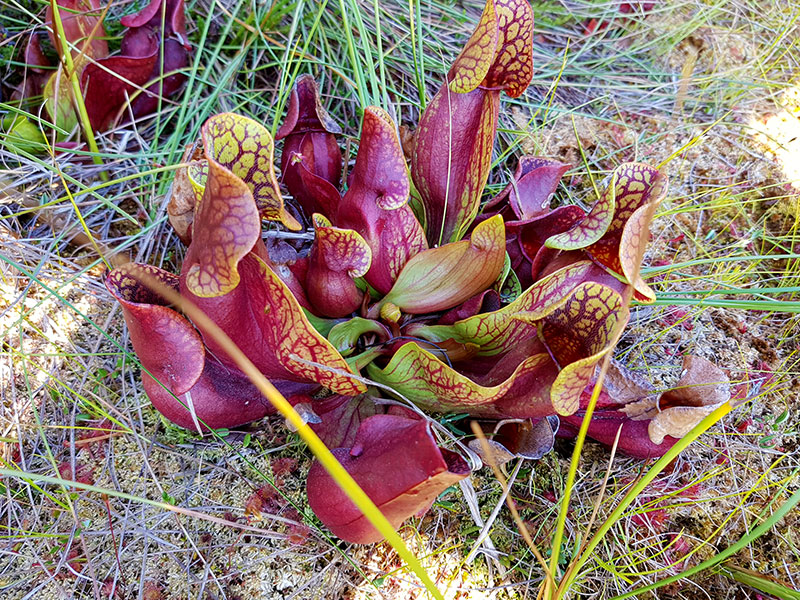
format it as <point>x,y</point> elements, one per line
<point>376,204</point>
<point>112,81</point>
<point>397,463</point>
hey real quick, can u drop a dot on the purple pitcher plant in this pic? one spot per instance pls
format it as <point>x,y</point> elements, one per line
<point>501,313</point>
<point>146,71</point>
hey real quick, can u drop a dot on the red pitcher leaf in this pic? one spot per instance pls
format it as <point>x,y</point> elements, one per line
<point>305,112</point>
<point>633,186</point>
<point>340,418</point>
<point>532,236</point>
<point>178,374</point>
<point>397,463</point>
<point>501,330</point>
<point>594,225</point>
<point>500,52</point>
<point>110,82</point>
<point>634,439</point>
<point>578,334</point>
<point>245,148</point>
<point>278,338</point>
<point>622,248</point>
<point>338,256</point>
<point>380,165</point>
<point>532,187</point>
<point>320,194</point>
<point>451,157</point>
<point>431,384</point>
<point>83,28</point>
<point>443,277</point>
<point>311,162</point>
<point>226,227</point>
<point>341,249</point>
<point>156,330</point>
<point>221,397</point>
<point>512,68</point>
<point>376,204</point>
<point>168,78</point>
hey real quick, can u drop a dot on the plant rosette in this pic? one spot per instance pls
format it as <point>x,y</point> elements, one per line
<point>502,313</point>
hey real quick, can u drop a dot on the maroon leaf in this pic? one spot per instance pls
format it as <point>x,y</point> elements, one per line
<point>150,16</point>
<point>633,440</point>
<point>338,256</point>
<point>397,463</point>
<point>528,194</point>
<point>177,374</point>
<point>452,149</point>
<point>110,82</point>
<point>278,338</point>
<point>450,183</point>
<point>376,206</point>
<point>340,418</point>
<point>167,82</point>
<point>311,161</point>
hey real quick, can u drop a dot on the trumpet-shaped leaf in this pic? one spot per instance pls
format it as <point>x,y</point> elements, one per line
<point>279,339</point>
<point>150,16</point>
<point>226,228</point>
<point>440,278</point>
<point>385,444</point>
<point>501,330</point>
<point>376,204</point>
<point>168,79</point>
<point>451,157</point>
<point>111,81</point>
<point>182,382</point>
<point>311,161</point>
<point>338,256</point>
<point>578,334</point>
<point>529,193</point>
<point>83,29</point>
<point>433,385</point>
<point>574,320</point>
<point>452,149</point>
<point>340,417</point>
